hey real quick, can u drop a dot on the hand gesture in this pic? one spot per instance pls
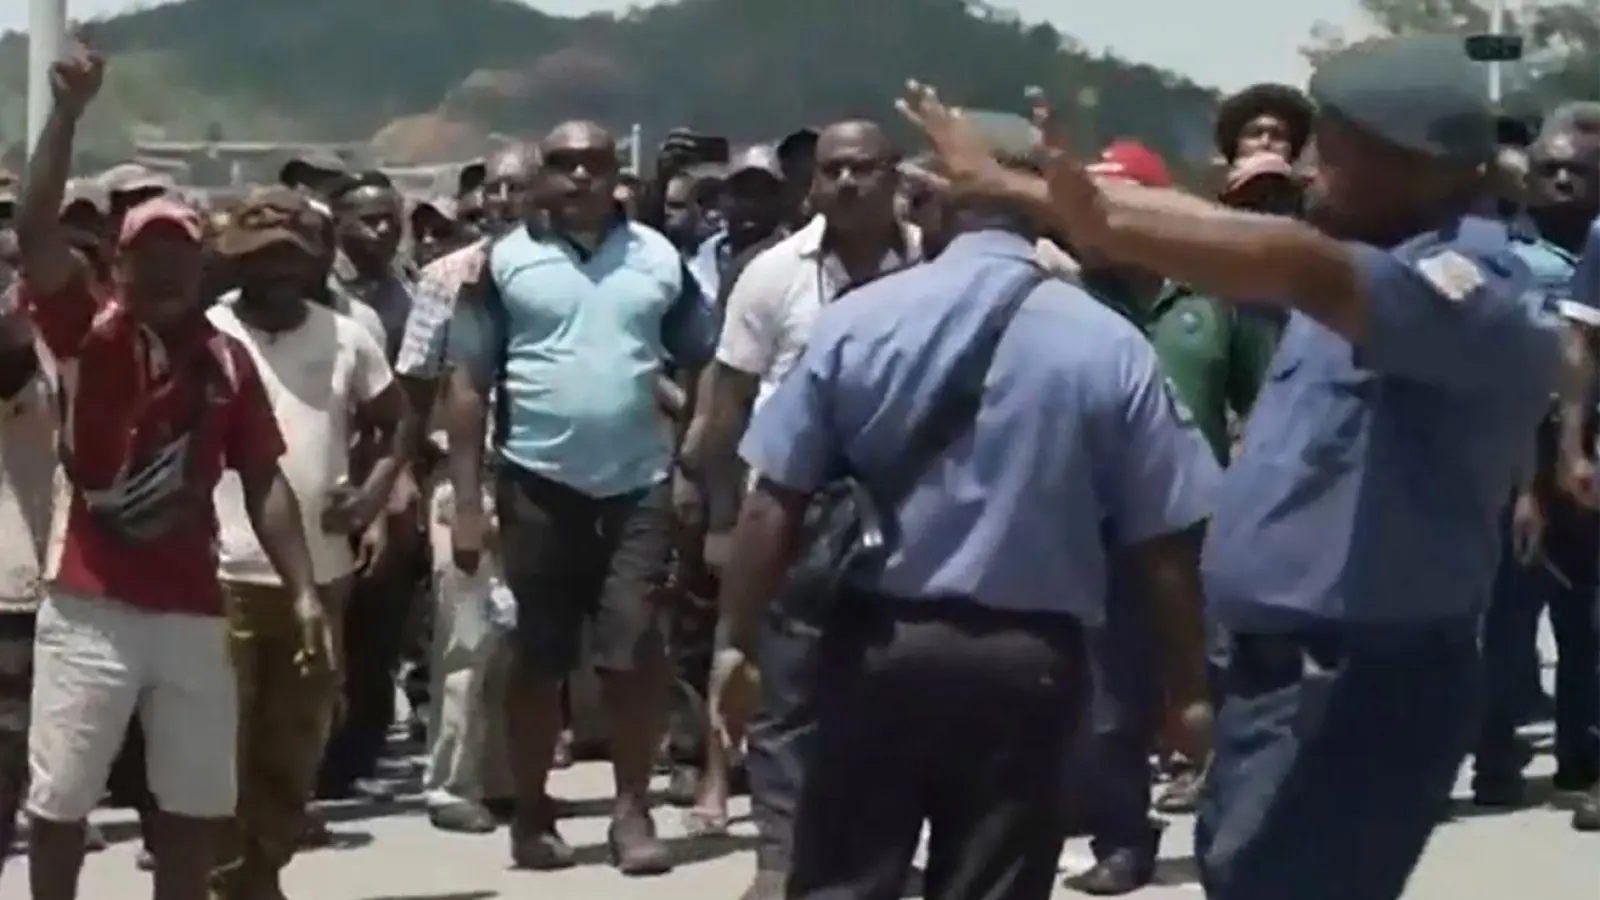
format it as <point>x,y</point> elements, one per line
<point>75,78</point>
<point>965,156</point>
<point>1074,195</point>
<point>316,638</point>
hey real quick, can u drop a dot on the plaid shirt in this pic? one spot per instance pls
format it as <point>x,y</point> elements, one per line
<point>422,347</point>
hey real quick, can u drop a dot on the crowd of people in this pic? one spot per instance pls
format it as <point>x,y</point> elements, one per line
<point>981,489</point>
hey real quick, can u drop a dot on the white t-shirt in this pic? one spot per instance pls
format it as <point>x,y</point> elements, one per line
<point>315,375</point>
<point>775,301</point>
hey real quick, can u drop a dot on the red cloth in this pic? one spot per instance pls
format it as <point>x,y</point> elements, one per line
<point>127,404</point>
<point>1132,161</point>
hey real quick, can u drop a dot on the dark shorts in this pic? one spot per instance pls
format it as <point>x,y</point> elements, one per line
<point>572,561</point>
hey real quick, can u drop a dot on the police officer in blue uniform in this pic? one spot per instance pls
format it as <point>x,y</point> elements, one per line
<point>1355,538</point>
<point>1586,293</point>
<point>1578,466</point>
<point>1551,559</point>
<point>951,678</point>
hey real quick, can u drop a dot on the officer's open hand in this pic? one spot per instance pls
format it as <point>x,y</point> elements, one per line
<point>1075,196</point>
<point>965,158</point>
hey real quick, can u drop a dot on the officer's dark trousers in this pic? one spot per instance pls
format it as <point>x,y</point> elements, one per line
<point>1336,750</point>
<point>1510,631</point>
<point>942,712</point>
<point>780,734</point>
<point>1114,775</point>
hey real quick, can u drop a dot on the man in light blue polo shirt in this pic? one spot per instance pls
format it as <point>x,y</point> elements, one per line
<point>578,316</point>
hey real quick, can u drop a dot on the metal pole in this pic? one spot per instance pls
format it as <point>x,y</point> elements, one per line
<point>1497,25</point>
<point>636,148</point>
<point>47,27</point>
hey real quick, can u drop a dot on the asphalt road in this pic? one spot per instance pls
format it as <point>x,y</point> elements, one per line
<point>392,854</point>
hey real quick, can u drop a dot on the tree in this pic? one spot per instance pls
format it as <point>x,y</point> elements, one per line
<point>1561,57</point>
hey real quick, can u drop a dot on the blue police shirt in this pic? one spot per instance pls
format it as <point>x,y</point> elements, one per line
<point>1553,269</point>
<point>1586,280</point>
<point>1371,478</point>
<point>577,349</point>
<point>1078,431</point>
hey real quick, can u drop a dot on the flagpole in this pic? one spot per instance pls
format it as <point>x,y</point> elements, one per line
<point>47,26</point>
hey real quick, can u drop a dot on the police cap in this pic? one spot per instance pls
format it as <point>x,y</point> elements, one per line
<point>1421,93</point>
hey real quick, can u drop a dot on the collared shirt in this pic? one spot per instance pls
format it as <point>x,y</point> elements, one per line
<point>422,347</point>
<point>1586,279</point>
<point>391,296</point>
<point>1214,356</point>
<point>1553,270</point>
<point>131,394</point>
<point>1373,476</point>
<point>779,294</point>
<point>573,342</point>
<point>709,261</point>
<point>1077,435</point>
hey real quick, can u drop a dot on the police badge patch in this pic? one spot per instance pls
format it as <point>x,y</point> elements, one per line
<point>1451,274</point>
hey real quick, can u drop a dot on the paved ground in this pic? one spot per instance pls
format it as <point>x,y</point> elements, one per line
<point>394,855</point>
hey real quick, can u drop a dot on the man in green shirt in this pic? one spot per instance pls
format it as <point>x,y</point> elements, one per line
<point>1214,358</point>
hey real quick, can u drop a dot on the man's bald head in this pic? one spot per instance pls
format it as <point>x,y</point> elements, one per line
<point>578,134</point>
<point>856,177</point>
<point>858,135</point>
<point>513,162</point>
<point>580,172</point>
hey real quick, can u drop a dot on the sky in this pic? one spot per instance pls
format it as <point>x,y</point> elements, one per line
<point>1261,45</point>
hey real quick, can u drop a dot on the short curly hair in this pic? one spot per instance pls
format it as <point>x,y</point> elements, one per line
<point>1281,100</point>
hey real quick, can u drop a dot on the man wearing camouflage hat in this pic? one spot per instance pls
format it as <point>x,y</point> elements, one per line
<point>321,370</point>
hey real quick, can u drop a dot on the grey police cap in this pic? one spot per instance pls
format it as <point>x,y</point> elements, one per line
<point>1420,93</point>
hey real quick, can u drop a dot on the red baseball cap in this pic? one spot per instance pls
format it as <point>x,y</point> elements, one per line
<point>161,209</point>
<point>1128,160</point>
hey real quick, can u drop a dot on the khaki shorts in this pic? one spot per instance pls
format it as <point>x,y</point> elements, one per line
<point>95,662</point>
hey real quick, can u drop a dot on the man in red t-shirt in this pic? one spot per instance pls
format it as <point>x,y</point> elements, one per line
<point>163,403</point>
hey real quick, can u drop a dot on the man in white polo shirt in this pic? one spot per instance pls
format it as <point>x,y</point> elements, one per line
<point>854,238</point>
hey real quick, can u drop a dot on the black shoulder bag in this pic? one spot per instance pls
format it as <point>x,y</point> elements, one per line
<point>850,528</point>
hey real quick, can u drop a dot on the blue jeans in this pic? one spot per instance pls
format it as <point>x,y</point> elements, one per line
<point>1335,754</point>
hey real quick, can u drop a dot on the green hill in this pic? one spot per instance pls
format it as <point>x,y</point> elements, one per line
<point>430,73</point>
